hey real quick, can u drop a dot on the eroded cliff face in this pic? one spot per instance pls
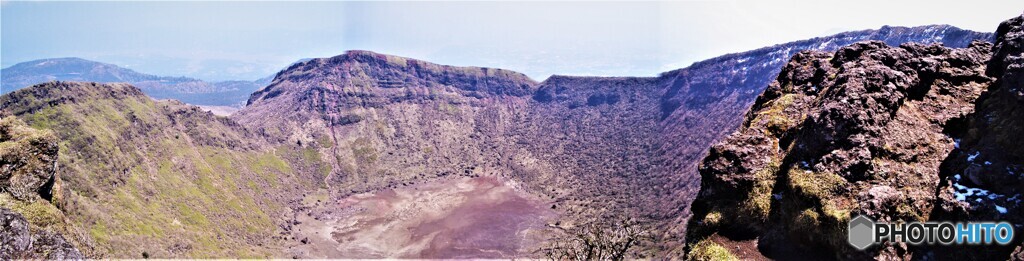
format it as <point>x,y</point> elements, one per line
<point>579,141</point>
<point>983,177</point>
<point>28,178</point>
<point>28,160</point>
<point>868,130</point>
<point>385,120</point>
<point>600,148</point>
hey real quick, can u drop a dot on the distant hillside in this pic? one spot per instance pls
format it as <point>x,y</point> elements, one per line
<point>188,90</point>
<point>140,178</point>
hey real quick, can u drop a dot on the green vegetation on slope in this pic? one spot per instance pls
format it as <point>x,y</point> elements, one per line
<point>159,178</point>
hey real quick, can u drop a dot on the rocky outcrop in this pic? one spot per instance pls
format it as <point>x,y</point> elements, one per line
<point>28,173</point>
<point>984,176</point>
<point>706,101</point>
<point>868,130</point>
<point>28,160</point>
<point>18,242</point>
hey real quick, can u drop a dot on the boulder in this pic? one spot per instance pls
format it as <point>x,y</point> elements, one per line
<point>17,241</point>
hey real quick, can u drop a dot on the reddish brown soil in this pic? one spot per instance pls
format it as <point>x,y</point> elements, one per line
<point>459,218</point>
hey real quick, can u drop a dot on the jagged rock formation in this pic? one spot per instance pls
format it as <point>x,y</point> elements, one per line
<point>706,101</point>
<point>983,176</point>
<point>868,130</point>
<point>28,160</point>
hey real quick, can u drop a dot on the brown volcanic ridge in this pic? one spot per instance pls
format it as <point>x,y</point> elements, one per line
<point>909,133</point>
<point>365,155</point>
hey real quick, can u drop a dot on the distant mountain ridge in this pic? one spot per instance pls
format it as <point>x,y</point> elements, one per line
<point>188,90</point>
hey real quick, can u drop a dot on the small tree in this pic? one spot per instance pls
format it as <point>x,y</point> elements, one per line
<point>597,241</point>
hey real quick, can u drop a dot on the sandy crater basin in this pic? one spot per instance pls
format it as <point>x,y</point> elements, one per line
<point>454,218</point>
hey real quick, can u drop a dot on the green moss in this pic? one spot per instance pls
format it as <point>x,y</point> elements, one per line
<point>448,108</point>
<point>325,142</point>
<point>907,212</point>
<point>807,220</point>
<point>44,118</point>
<point>713,219</point>
<point>271,160</point>
<point>709,250</point>
<point>814,211</point>
<point>397,61</point>
<point>38,213</point>
<point>470,71</point>
<point>364,151</point>
<point>99,232</point>
<point>192,217</point>
<point>775,118</point>
<point>134,179</point>
<point>815,185</point>
<point>834,213</point>
<point>758,204</point>
<point>310,155</point>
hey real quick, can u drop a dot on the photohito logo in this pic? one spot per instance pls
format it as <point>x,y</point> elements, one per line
<point>864,232</point>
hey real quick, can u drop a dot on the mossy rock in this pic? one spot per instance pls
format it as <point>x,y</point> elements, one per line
<point>707,250</point>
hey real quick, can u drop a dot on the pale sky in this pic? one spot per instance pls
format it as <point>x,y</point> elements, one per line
<point>249,40</point>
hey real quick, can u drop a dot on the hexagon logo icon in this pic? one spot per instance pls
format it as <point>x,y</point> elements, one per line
<point>861,232</point>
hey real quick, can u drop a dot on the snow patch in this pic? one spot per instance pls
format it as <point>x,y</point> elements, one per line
<point>970,158</point>
<point>962,192</point>
<point>1000,209</point>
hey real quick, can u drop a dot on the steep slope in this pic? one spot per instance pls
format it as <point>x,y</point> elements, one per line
<point>386,119</point>
<point>599,148</point>
<point>387,122</point>
<point>193,91</point>
<point>706,101</point>
<point>868,130</point>
<point>30,226</point>
<point>160,179</point>
<point>982,177</point>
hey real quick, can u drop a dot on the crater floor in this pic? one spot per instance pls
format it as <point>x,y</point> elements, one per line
<point>451,218</point>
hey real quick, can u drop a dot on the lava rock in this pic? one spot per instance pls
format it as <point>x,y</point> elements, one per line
<point>28,160</point>
<point>16,241</point>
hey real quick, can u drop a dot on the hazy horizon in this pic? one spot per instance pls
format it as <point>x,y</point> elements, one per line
<point>249,40</point>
